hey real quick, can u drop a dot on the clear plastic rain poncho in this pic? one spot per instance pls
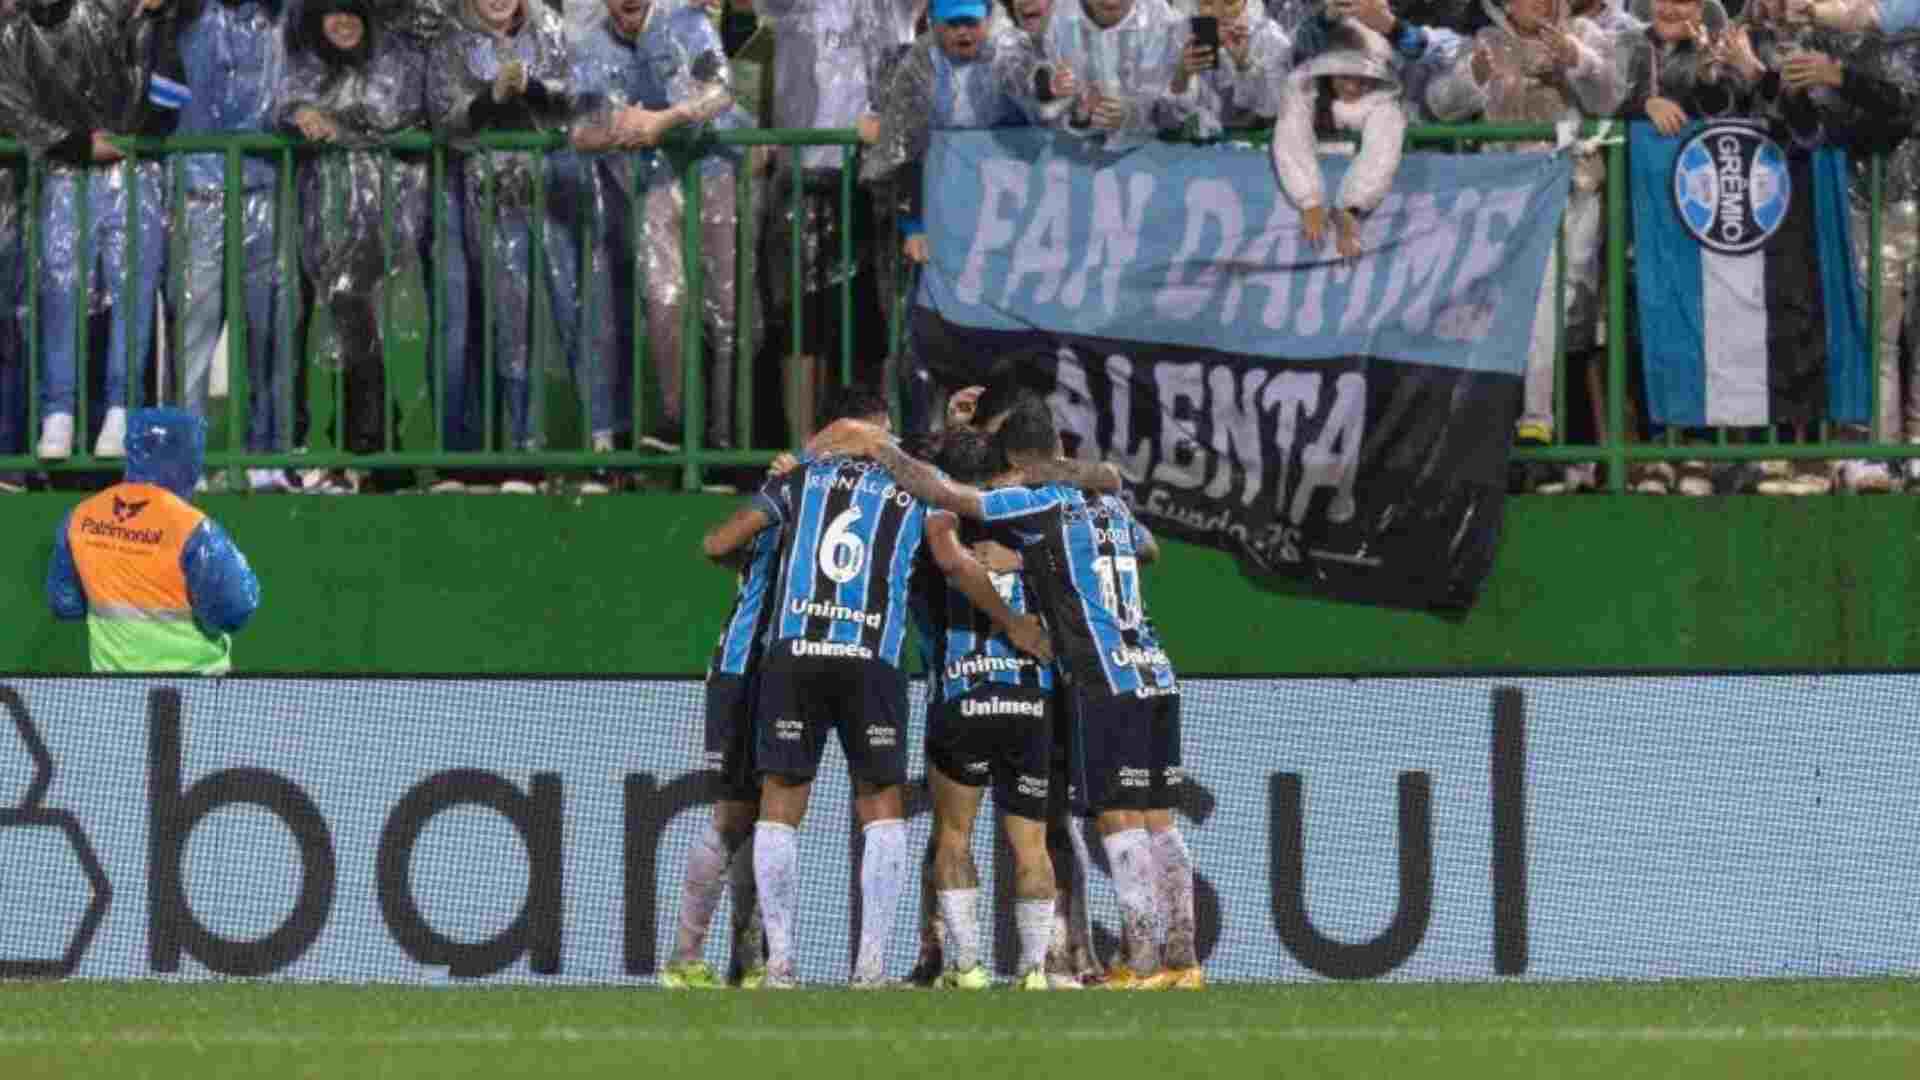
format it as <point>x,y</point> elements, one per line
<point>1018,59</point>
<point>929,91</point>
<point>362,211</point>
<point>1679,68</point>
<point>676,60</point>
<point>1526,84</point>
<point>1422,51</point>
<point>1377,118</point>
<point>498,189</point>
<point>1874,112</point>
<point>1134,60</point>
<point>235,57</point>
<point>1238,94</point>
<point>830,58</point>
<point>13,383</point>
<point>69,68</point>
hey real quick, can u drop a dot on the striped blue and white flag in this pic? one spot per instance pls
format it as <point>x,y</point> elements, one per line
<point>1750,313</point>
<point>167,93</point>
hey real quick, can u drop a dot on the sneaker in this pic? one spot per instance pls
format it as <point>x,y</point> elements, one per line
<point>1693,479</point>
<point>1582,476</point>
<point>268,480</point>
<point>928,971</point>
<point>12,483</point>
<point>1535,432</point>
<point>56,437</point>
<point>518,485</point>
<point>1866,477</point>
<point>973,978</point>
<point>447,485</point>
<point>1061,981</point>
<point>596,483</point>
<point>1651,478</point>
<point>336,482</point>
<point>1181,978</point>
<point>1809,478</point>
<point>754,977</point>
<point>690,975</point>
<point>779,981</point>
<point>1034,979</point>
<point>1120,977</point>
<point>659,444</point>
<point>112,442</point>
<point>875,982</point>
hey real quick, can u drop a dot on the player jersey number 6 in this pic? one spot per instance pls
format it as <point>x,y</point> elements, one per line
<point>842,553</point>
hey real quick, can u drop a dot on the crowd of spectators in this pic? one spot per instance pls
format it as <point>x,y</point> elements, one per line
<point>586,232</point>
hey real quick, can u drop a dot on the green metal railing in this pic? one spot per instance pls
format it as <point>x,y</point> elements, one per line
<point>687,466</point>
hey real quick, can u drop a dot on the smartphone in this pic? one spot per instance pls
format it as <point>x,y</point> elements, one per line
<point>1206,31</point>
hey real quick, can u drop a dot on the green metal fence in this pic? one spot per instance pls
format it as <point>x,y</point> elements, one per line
<point>416,376</point>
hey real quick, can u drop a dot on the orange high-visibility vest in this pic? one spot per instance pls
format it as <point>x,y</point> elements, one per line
<point>126,543</point>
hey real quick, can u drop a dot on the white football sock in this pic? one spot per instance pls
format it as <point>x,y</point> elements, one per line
<point>1173,896</point>
<point>963,932</point>
<point>883,869</point>
<point>700,893</point>
<point>776,874</point>
<point>1034,918</point>
<point>1130,861</point>
<point>1079,917</point>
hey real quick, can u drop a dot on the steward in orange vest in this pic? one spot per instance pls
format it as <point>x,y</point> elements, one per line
<point>160,583</point>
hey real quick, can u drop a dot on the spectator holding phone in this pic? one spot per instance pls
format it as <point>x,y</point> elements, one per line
<point>1134,62</point>
<point>1242,89</point>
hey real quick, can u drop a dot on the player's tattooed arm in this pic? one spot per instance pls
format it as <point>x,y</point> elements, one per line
<point>997,558</point>
<point>725,540</point>
<point>1097,476</point>
<point>965,573</point>
<point>856,438</point>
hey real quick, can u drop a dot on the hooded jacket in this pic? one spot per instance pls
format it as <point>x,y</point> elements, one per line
<point>69,68</point>
<point>161,585</point>
<point>371,93</point>
<point>1377,117</point>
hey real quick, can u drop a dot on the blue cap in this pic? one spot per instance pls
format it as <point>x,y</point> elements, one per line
<point>949,10</point>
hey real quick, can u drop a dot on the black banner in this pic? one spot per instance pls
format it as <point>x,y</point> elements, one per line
<point>1356,478</point>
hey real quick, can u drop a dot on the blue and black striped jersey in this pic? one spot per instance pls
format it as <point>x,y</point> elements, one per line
<point>745,635</point>
<point>1082,560</point>
<point>970,652</point>
<point>846,559</point>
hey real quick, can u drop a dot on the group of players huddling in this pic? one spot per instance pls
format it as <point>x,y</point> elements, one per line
<point>1022,569</point>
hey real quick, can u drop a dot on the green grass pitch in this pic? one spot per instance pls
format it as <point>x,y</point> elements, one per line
<point>1834,1029</point>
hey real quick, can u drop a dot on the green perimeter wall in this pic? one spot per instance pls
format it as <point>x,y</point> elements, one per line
<point>538,585</point>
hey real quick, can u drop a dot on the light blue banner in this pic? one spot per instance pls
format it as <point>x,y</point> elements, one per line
<point>1196,246</point>
<point>1417,829</point>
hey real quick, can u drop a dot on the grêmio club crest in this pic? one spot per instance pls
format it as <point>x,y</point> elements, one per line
<point>1731,186</point>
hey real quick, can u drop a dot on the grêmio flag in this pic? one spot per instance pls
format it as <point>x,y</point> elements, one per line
<point>1342,425</point>
<point>1750,313</point>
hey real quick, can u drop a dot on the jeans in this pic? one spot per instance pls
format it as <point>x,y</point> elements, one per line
<point>63,260</point>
